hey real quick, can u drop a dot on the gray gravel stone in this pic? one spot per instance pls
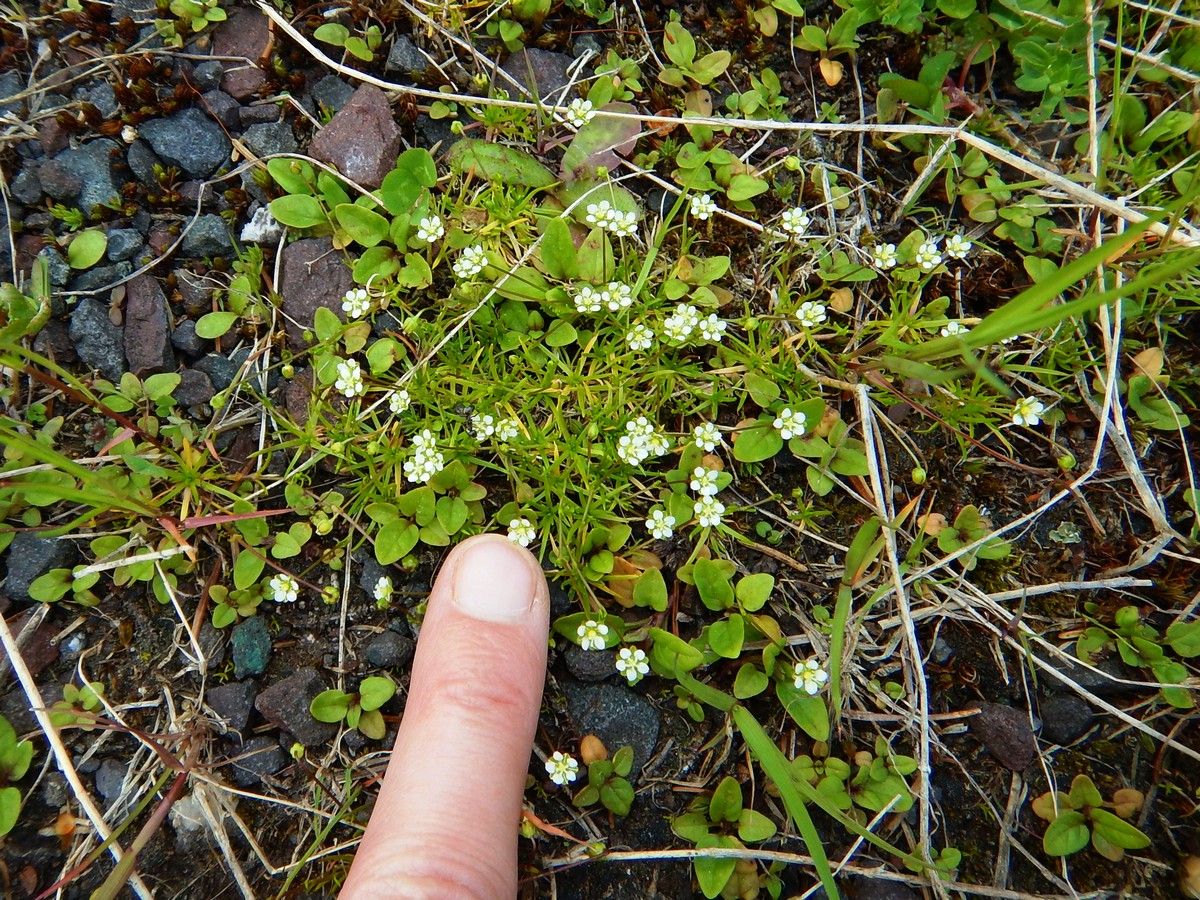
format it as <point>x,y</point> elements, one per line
<point>221,370</point>
<point>10,86</point>
<point>312,275</point>
<point>104,98</point>
<point>590,665</point>
<point>259,758</point>
<point>404,57</point>
<point>190,140</point>
<point>142,160</point>
<point>1065,718</point>
<point>866,888</point>
<point>1104,683</point>
<point>92,165</point>
<point>542,71</point>
<point>29,557</point>
<point>59,270</point>
<point>269,138</point>
<point>25,188</point>
<point>194,388</point>
<point>224,108</point>
<point>285,705</point>
<point>388,650</point>
<point>617,716</point>
<point>99,342</point>
<point>331,93</point>
<point>186,340</point>
<point>208,237</point>
<point>58,181</point>
<point>124,243</point>
<point>233,702</point>
<point>110,776</point>
<point>258,115</point>
<point>99,276</point>
<point>1006,733</point>
<point>207,75</point>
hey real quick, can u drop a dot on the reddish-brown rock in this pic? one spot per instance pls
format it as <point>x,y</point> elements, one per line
<point>313,275</point>
<point>245,35</point>
<point>362,140</point>
<point>147,327</point>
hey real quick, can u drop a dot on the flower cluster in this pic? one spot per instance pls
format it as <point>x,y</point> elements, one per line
<point>470,262</point>
<point>580,112</point>
<point>660,525</point>
<point>562,768</point>
<point>614,296</point>
<point>612,220</point>
<point>521,531</point>
<point>790,423</point>
<point>885,256</point>
<point>712,328</point>
<point>708,511</point>
<point>953,328</point>
<point>349,378</point>
<point>702,206</point>
<point>957,246</point>
<point>811,313</point>
<point>283,588</point>
<point>809,677</point>
<point>678,326</point>
<point>593,635</point>
<point>704,481</point>
<point>928,256</point>
<point>640,441</point>
<point>706,436</point>
<point>429,229</point>
<point>356,303</point>
<point>426,460</point>
<point>631,662</point>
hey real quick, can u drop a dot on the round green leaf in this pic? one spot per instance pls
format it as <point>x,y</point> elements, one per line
<point>363,225</point>
<point>651,590</point>
<point>86,249</point>
<point>371,724</point>
<point>214,324</point>
<point>1066,835</point>
<point>332,33</point>
<point>806,711</point>
<point>298,211</point>
<point>754,826</point>
<point>330,706</point>
<point>10,808</point>
<point>375,691</point>
<point>750,681</point>
<point>757,443</point>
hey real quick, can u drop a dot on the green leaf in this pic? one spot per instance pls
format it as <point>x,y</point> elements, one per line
<point>763,391</point>
<point>601,143</point>
<point>371,724</point>
<point>597,262</point>
<point>86,249</point>
<point>498,162</point>
<point>671,654</point>
<point>753,826</point>
<point>395,541</point>
<point>330,706</point>
<point>750,682</point>
<point>293,175</point>
<point>679,45</point>
<point>651,590</point>
<point>214,324</point>
<point>712,581</point>
<point>247,569</point>
<point>558,250</point>
<point>807,711</point>
<point>1184,638</point>
<point>326,324</point>
<point>712,874</point>
<point>1117,831</point>
<point>365,226</point>
<point>617,796</point>
<point>753,591</point>
<point>691,826</point>
<point>332,33</point>
<point>452,512</point>
<point>1066,835</point>
<point>757,443</point>
<point>10,809</point>
<point>561,333</point>
<point>726,802</point>
<point>727,637</point>
<point>375,691</point>
<point>298,211</point>
<point>743,187</point>
<point>1084,793</point>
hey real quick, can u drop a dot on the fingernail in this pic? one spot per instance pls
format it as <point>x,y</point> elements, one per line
<point>494,581</point>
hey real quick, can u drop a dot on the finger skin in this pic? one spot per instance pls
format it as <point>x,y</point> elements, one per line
<point>445,822</point>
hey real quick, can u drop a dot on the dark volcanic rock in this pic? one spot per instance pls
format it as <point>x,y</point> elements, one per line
<point>260,757</point>
<point>617,716</point>
<point>208,75</point>
<point>29,557</point>
<point>147,327</point>
<point>194,388</point>
<point>251,647</point>
<point>388,650</point>
<point>208,237</point>
<point>233,702</point>
<point>285,705</point>
<point>98,342</point>
<point>243,34</point>
<point>186,340</point>
<point>590,665</point>
<point>269,138</point>
<point>331,93</point>
<point>142,159</point>
<point>313,275</point>
<point>1102,683</point>
<point>362,140</point>
<point>404,57</point>
<point>123,244</point>
<point>190,140</point>
<point>1065,718</point>
<point>223,108</point>
<point>91,164</point>
<point>97,277</point>
<point>1006,733</point>
<point>110,777</point>
<point>542,71</point>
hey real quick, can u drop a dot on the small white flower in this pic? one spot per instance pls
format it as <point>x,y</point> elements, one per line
<point>885,256</point>
<point>712,328</point>
<point>592,635</point>
<point>703,206</point>
<point>639,337</point>
<point>356,303</point>
<point>599,213</point>
<point>658,444</point>
<point>708,511</point>
<point>957,246</point>
<point>706,436</point>
<point>790,424</point>
<point>809,677</point>
<point>383,589</point>
<point>623,224</point>
<point>424,440</point>
<point>349,378</point>
<point>795,221</point>
<point>580,112</point>
<point>953,328</point>
<point>641,441</point>
<point>562,768</point>
<point>928,257</point>
<point>704,481</point>
<point>618,296</point>
<point>283,588</point>
<point>399,401</point>
<point>1028,411</point>
<point>660,525</point>
<point>470,262</point>
<point>631,662</point>
<point>426,460</point>
<point>588,299</point>
<point>811,313</point>
<point>430,229</point>
<point>679,326</point>
<point>484,425</point>
<point>521,531</point>
<point>507,430</point>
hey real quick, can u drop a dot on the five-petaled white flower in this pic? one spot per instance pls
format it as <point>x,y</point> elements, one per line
<point>592,635</point>
<point>809,676</point>
<point>660,525</point>
<point>383,589</point>
<point>712,328</point>
<point>399,400</point>
<point>521,531</point>
<point>599,213</point>
<point>639,337</point>
<point>704,481</point>
<point>811,313</point>
<point>1028,411</point>
<point>507,430</point>
<point>702,206</point>
<point>588,299</point>
<point>283,588</point>
<point>708,511</point>
<point>953,328</point>
<point>356,303</point>
<point>884,256</point>
<point>631,662</point>
<point>617,296</point>
<point>706,436</point>
<point>470,262</point>
<point>580,112</point>
<point>483,425</point>
<point>640,441</point>
<point>622,224</point>
<point>349,378</point>
<point>795,220</point>
<point>562,768</point>
<point>958,246</point>
<point>430,229</point>
<point>928,256</point>
<point>790,424</point>
<point>679,326</point>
